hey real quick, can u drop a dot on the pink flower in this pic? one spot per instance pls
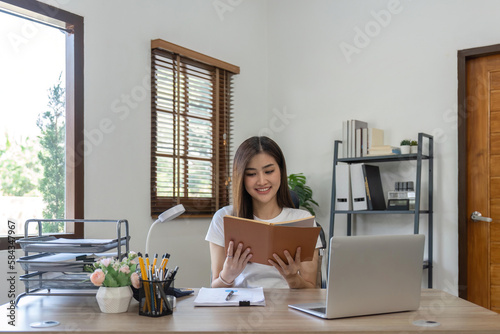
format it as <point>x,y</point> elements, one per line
<point>106,262</point>
<point>125,269</point>
<point>97,277</point>
<point>134,278</point>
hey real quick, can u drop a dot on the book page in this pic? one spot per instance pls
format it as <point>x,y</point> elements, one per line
<point>303,222</point>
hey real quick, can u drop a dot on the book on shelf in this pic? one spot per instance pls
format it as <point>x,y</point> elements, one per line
<point>345,139</point>
<point>383,150</point>
<point>373,187</point>
<point>375,137</point>
<point>353,144</point>
<point>370,137</point>
<point>266,239</point>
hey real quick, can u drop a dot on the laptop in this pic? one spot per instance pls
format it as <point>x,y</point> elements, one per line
<point>371,275</point>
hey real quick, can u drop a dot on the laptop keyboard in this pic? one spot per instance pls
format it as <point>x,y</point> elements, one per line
<point>318,309</point>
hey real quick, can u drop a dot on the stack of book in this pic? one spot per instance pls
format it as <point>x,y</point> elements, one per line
<point>383,150</point>
<point>358,138</point>
<point>358,187</point>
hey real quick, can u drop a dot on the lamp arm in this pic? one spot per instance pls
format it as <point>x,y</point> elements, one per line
<point>149,233</point>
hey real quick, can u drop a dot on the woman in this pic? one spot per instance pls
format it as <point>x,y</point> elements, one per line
<point>260,191</point>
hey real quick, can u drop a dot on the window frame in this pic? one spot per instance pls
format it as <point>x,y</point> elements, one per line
<point>221,95</point>
<point>74,111</point>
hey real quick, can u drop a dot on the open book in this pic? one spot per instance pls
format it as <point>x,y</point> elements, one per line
<point>265,238</point>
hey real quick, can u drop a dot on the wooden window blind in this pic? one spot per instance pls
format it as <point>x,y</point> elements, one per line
<point>190,130</point>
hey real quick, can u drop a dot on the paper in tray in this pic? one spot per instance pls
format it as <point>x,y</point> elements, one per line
<point>69,262</point>
<point>62,245</point>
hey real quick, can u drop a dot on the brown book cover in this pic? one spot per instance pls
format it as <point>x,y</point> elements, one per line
<point>265,239</point>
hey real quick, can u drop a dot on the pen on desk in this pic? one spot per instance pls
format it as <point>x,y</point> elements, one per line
<point>229,295</point>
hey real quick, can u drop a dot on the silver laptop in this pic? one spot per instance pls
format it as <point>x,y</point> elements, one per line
<point>371,275</point>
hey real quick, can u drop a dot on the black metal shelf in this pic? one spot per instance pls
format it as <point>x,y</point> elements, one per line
<point>418,158</point>
<point>385,158</point>
<point>383,212</point>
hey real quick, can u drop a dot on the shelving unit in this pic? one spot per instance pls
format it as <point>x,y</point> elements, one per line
<point>54,265</point>
<point>419,158</point>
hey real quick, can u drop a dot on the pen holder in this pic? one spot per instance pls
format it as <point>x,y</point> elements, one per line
<point>153,299</point>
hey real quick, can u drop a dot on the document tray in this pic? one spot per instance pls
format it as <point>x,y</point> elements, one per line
<point>68,262</point>
<point>57,280</point>
<point>52,244</point>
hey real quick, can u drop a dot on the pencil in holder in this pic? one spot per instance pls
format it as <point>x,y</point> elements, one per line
<point>153,301</point>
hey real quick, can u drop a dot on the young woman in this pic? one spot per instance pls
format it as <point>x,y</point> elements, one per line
<point>260,191</point>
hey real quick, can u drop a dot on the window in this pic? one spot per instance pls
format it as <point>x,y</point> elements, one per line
<point>34,14</point>
<point>190,130</point>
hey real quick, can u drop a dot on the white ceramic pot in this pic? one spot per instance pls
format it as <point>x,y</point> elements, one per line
<point>114,300</point>
<point>414,149</point>
<point>405,149</point>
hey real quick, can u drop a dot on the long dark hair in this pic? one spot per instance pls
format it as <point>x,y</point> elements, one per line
<point>242,201</point>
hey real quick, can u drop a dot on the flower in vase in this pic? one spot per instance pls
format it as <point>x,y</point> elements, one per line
<point>110,272</point>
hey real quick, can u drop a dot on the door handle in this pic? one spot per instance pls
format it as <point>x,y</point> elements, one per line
<point>477,217</point>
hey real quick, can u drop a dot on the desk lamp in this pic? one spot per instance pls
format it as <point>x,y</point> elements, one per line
<point>166,216</point>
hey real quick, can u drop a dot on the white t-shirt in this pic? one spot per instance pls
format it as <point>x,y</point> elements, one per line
<point>254,274</point>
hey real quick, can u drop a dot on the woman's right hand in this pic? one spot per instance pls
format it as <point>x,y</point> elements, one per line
<point>235,262</point>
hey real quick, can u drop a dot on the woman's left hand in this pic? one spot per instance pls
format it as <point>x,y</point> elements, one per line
<point>290,271</point>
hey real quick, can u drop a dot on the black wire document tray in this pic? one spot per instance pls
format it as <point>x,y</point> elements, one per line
<point>57,280</point>
<point>52,244</point>
<point>55,266</point>
<point>69,262</point>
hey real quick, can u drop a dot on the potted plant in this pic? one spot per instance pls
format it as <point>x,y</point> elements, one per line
<point>114,277</point>
<point>405,146</point>
<point>413,147</point>
<point>297,184</point>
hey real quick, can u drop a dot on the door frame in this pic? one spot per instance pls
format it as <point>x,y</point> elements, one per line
<point>463,57</point>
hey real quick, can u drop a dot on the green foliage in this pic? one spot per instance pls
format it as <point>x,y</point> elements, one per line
<point>405,142</point>
<point>18,168</point>
<point>297,183</point>
<point>413,143</point>
<point>52,157</point>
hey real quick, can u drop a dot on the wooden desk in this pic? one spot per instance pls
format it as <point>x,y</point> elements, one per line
<point>82,314</point>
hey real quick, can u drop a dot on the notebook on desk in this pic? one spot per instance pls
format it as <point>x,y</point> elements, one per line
<point>371,275</point>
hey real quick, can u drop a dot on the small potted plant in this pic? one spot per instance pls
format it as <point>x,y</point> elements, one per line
<point>114,278</point>
<point>405,146</point>
<point>413,147</point>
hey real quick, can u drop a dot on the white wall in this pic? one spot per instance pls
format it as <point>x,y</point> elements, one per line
<point>117,60</point>
<point>295,84</point>
<point>403,79</point>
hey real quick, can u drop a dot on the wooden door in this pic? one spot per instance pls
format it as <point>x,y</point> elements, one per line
<point>483,180</point>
